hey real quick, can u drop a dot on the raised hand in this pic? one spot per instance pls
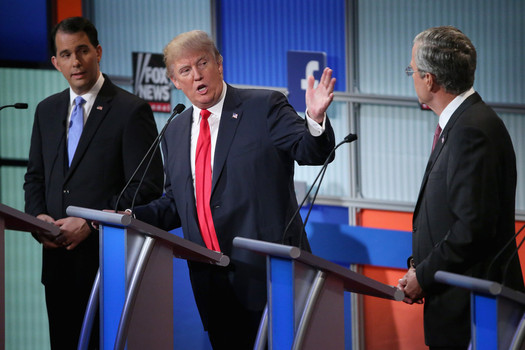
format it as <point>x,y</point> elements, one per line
<point>318,99</point>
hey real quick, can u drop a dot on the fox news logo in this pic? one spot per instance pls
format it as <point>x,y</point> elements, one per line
<point>150,81</point>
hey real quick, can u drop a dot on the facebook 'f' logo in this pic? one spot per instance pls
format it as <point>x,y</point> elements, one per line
<point>302,64</point>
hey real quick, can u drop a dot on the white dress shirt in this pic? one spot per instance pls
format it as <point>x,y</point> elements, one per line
<point>444,117</point>
<point>89,97</point>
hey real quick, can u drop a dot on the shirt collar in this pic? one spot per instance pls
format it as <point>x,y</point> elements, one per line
<point>91,94</point>
<point>452,106</point>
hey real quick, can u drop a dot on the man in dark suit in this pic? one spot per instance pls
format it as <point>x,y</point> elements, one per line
<point>255,137</point>
<point>464,215</point>
<point>118,129</point>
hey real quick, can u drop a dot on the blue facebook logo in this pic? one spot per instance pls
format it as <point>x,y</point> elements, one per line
<point>302,64</point>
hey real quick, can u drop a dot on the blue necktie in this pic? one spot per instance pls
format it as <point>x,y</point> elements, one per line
<point>75,127</point>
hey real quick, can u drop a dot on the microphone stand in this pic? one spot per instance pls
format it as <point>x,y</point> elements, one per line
<point>178,109</point>
<point>349,138</point>
<point>513,239</point>
<point>505,269</point>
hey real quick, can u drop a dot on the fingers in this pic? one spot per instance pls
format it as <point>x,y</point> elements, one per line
<point>311,82</point>
<point>46,218</point>
<point>71,245</point>
<point>65,242</point>
<point>408,301</point>
<point>327,80</point>
<point>326,76</point>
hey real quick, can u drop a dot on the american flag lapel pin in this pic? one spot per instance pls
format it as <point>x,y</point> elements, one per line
<point>99,108</point>
<point>235,115</point>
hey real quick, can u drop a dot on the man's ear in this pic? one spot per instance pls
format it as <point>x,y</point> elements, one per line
<point>55,63</point>
<point>99,53</point>
<point>175,82</point>
<point>430,82</point>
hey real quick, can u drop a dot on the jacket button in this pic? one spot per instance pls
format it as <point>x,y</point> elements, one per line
<point>66,191</point>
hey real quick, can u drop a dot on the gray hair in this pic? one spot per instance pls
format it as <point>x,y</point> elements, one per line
<point>449,55</point>
<point>195,40</point>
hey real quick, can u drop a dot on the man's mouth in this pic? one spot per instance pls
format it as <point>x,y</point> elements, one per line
<point>201,89</point>
<point>77,75</point>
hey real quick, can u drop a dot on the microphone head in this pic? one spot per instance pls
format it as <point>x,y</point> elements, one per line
<point>179,108</point>
<point>20,105</point>
<point>350,138</point>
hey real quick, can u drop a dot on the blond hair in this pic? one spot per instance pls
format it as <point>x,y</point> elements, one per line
<point>195,40</point>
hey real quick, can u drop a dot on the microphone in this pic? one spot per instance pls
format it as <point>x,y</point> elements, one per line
<point>512,239</point>
<point>515,252</point>
<point>16,105</point>
<point>153,148</point>
<point>348,139</point>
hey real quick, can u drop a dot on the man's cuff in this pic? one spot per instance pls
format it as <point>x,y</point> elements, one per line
<point>130,212</point>
<point>314,127</point>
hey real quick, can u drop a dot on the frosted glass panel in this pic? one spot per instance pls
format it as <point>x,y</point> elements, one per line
<point>125,26</point>
<point>387,28</point>
<point>394,146</point>
<point>337,177</point>
<point>26,324</point>
<point>516,126</point>
<point>29,86</point>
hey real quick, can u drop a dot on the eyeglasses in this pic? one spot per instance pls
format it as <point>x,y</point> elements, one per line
<point>409,71</point>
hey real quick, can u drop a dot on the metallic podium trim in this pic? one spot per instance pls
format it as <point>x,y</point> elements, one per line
<point>89,316</point>
<point>131,296</point>
<point>313,296</point>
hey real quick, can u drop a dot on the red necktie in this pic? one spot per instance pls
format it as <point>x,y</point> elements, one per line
<point>436,136</point>
<point>203,183</point>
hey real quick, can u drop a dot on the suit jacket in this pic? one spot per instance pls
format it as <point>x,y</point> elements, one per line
<point>117,134</point>
<point>260,135</point>
<point>464,216</point>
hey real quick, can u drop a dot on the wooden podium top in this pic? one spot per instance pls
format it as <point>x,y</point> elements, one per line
<point>19,221</point>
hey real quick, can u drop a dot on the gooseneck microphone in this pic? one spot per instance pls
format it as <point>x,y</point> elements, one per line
<point>151,152</point>
<point>509,242</point>
<point>16,105</point>
<point>514,253</point>
<point>348,139</point>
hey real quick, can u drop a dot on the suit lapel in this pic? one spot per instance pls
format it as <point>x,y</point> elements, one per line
<point>441,143</point>
<point>57,131</point>
<point>100,109</point>
<point>230,118</point>
<point>180,139</point>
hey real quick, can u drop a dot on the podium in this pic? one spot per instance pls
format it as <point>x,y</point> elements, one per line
<point>497,312</point>
<point>12,219</point>
<point>306,297</point>
<point>134,286</point>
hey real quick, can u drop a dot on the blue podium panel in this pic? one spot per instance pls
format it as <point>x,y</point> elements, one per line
<point>135,281</point>
<point>484,317</point>
<point>306,297</point>
<point>113,282</point>
<point>497,312</point>
<point>281,303</point>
